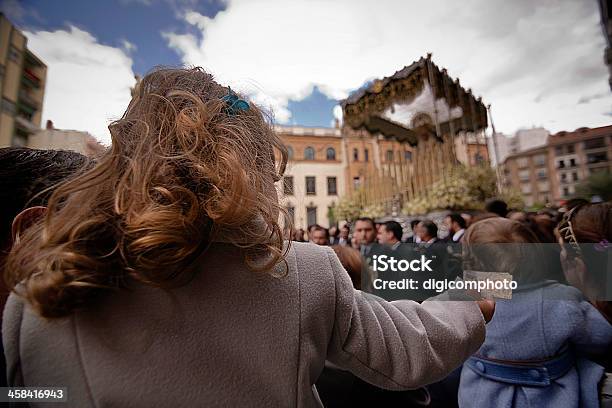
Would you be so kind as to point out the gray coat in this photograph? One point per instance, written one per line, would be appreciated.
(233, 337)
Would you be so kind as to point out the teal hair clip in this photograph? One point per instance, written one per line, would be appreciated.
(234, 103)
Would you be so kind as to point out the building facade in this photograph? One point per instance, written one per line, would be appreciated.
(530, 173)
(576, 155)
(551, 173)
(523, 139)
(22, 87)
(61, 139)
(314, 178)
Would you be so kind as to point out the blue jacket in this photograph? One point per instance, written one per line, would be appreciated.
(538, 323)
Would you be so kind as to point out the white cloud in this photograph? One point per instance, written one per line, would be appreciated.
(88, 84)
(127, 46)
(532, 61)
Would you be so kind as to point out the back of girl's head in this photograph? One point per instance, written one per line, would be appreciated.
(592, 225)
(499, 244)
(185, 169)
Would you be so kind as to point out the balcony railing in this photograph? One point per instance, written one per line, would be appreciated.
(26, 99)
(30, 78)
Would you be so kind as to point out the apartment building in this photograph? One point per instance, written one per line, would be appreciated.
(529, 172)
(22, 87)
(578, 154)
(523, 139)
(314, 178)
(551, 173)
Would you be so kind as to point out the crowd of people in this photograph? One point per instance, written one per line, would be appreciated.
(524, 329)
(158, 275)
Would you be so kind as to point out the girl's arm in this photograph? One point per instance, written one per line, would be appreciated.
(400, 345)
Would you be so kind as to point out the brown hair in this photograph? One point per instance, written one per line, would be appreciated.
(351, 260)
(182, 172)
(592, 223)
(483, 252)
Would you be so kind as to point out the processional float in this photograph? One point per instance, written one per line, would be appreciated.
(425, 125)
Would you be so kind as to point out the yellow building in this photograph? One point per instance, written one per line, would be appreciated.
(314, 178)
(22, 86)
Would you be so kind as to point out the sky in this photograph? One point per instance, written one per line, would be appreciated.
(537, 62)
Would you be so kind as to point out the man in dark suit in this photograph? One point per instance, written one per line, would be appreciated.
(414, 239)
(432, 248)
(365, 233)
(456, 227)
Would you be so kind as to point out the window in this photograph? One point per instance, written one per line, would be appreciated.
(526, 188)
(289, 153)
(593, 158)
(331, 153)
(356, 183)
(366, 155)
(595, 143)
(570, 149)
(561, 164)
(310, 185)
(559, 150)
(8, 107)
(572, 162)
(575, 176)
(563, 177)
(389, 155)
(522, 162)
(541, 174)
(331, 186)
(543, 186)
(288, 185)
(311, 215)
(478, 158)
(524, 175)
(408, 156)
(355, 155)
(309, 153)
(565, 191)
(540, 160)
(14, 54)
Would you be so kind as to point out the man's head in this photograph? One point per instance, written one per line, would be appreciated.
(497, 206)
(454, 222)
(427, 230)
(365, 231)
(390, 233)
(27, 177)
(413, 225)
(345, 232)
(319, 235)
